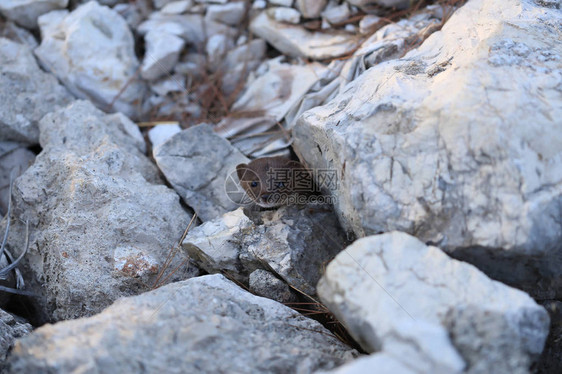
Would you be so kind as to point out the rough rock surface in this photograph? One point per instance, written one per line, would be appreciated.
(431, 312)
(14, 160)
(26, 12)
(459, 143)
(162, 53)
(205, 324)
(380, 363)
(26, 93)
(295, 41)
(10, 330)
(102, 222)
(91, 50)
(197, 163)
(294, 243)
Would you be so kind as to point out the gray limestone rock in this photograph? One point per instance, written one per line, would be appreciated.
(294, 243)
(10, 330)
(454, 144)
(198, 163)
(205, 324)
(91, 50)
(102, 221)
(26, 93)
(26, 12)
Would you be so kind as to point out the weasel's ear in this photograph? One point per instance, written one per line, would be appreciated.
(295, 165)
(241, 169)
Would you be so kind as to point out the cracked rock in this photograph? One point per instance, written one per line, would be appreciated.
(433, 313)
(197, 163)
(103, 222)
(91, 50)
(205, 324)
(451, 147)
(26, 93)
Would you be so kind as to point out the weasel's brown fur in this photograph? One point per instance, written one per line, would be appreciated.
(269, 181)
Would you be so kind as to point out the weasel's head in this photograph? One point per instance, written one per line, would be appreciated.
(269, 181)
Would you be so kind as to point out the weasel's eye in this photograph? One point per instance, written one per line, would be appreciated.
(280, 184)
(254, 184)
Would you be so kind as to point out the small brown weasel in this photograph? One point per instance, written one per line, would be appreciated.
(274, 181)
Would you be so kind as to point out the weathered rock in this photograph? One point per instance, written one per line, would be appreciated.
(216, 49)
(285, 3)
(449, 143)
(415, 303)
(240, 62)
(26, 12)
(295, 41)
(310, 8)
(91, 50)
(294, 243)
(197, 163)
(205, 324)
(161, 133)
(279, 89)
(14, 160)
(10, 30)
(284, 14)
(177, 7)
(95, 201)
(264, 283)
(381, 363)
(26, 93)
(231, 13)
(193, 28)
(337, 14)
(367, 4)
(162, 54)
(10, 330)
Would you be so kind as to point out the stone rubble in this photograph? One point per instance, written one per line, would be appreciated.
(438, 122)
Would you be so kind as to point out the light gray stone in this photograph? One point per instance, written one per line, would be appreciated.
(231, 13)
(337, 14)
(197, 163)
(380, 363)
(14, 160)
(240, 62)
(284, 14)
(205, 324)
(448, 143)
(10, 30)
(91, 50)
(26, 12)
(26, 93)
(10, 330)
(294, 243)
(177, 7)
(366, 4)
(310, 8)
(95, 201)
(431, 312)
(162, 54)
(295, 41)
(285, 3)
(161, 133)
(264, 283)
(193, 28)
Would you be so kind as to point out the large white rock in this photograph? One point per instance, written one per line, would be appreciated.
(26, 93)
(459, 143)
(26, 12)
(91, 50)
(432, 313)
(295, 41)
